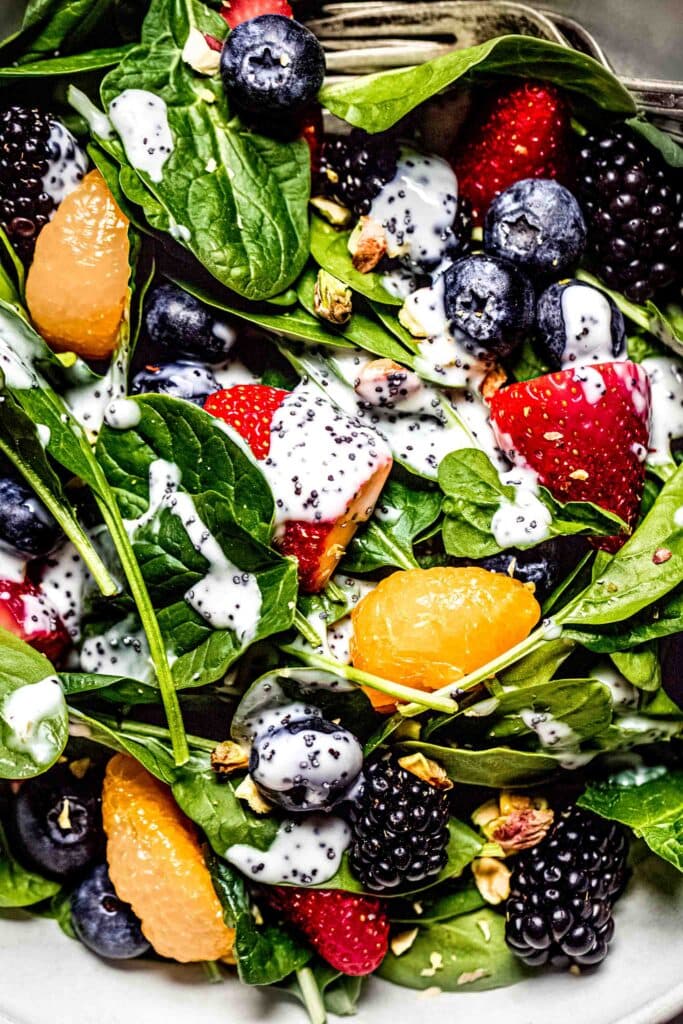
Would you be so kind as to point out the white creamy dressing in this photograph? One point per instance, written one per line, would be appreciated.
(648, 730)
(417, 208)
(623, 694)
(399, 282)
(305, 851)
(525, 521)
(591, 382)
(587, 318)
(122, 414)
(332, 454)
(225, 596)
(119, 651)
(180, 232)
(12, 565)
(44, 434)
(232, 372)
(65, 582)
(27, 712)
(88, 401)
(552, 630)
(140, 118)
(338, 634)
(16, 355)
(665, 374)
(473, 412)
(678, 517)
(551, 732)
(268, 720)
(66, 166)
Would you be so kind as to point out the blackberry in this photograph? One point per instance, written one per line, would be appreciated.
(354, 168)
(40, 162)
(563, 890)
(400, 827)
(634, 210)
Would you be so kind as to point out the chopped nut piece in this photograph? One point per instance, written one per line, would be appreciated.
(247, 791)
(521, 821)
(199, 55)
(367, 244)
(486, 813)
(469, 976)
(510, 801)
(64, 819)
(334, 213)
(492, 879)
(428, 993)
(429, 771)
(554, 435)
(79, 768)
(661, 555)
(229, 757)
(407, 319)
(493, 381)
(402, 941)
(332, 299)
(384, 382)
(485, 930)
(578, 474)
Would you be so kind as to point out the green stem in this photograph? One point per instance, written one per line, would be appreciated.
(439, 701)
(212, 972)
(311, 995)
(303, 626)
(397, 555)
(157, 648)
(133, 729)
(335, 593)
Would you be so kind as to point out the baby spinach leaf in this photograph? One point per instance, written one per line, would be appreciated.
(76, 64)
(404, 512)
(450, 900)
(18, 886)
(640, 666)
(376, 102)
(339, 992)
(152, 752)
(650, 801)
(497, 767)
(538, 667)
(246, 221)
(330, 250)
(115, 689)
(666, 325)
(465, 954)
(51, 25)
(662, 141)
(225, 819)
(582, 705)
(662, 618)
(266, 953)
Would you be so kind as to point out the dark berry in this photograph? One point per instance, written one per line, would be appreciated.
(25, 523)
(55, 823)
(184, 379)
(181, 324)
(537, 224)
(671, 660)
(633, 204)
(354, 168)
(562, 892)
(306, 765)
(400, 826)
(102, 921)
(579, 324)
(272, 64)
(489, 302)
(542, 565)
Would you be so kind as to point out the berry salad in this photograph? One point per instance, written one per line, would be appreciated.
(341, 501)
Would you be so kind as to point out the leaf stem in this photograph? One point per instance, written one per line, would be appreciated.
(212, 972)
(311, 996)
(335, 593)
(303, 626)
(133, 729)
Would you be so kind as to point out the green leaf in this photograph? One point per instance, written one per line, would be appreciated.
(465, 954)
(448, 901)
(527, 364)
(662, 141)
(650, 801)
(376, 102)
(497, 767)
(247, 220)
(582, 705)
(538, 667)
(665, 324)
(19, 887)
(224, 819)
(153, 753)
(404, 512)
(339, 992)
(266, 953)
(78, 63)
(330, 250)
(640, 666)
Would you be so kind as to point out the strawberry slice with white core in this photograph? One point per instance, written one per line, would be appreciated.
(326, 470)
(583, 431)
(27, 612)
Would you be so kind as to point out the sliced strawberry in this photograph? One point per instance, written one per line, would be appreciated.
(523, 133)
(26, 612)
(585, 432)
(350, 932)
(248, 408)
(237, 11)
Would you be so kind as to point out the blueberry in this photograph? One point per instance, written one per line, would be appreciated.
(579, 324)
(55, 823)
(25, 523)
(185, 379)
(307, 764)
(102, 921)
(272, 63)
(543, 566)
(180, 323)
(671, 658)
(488, 302)
(538, 225)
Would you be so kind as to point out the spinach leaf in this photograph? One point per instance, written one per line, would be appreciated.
(60, 911)
(582, 705)
(640, 666)
(404, 512)
(33, 716)
(498, 767)
(527, 363)
(666, 325)
(225, 820)
(247, 220)
(330, 250)
(338, 992)
(650, 801)
(376, 102)
(114, 689)
(18, 886)
(538, 667)
(266, 953)
(474, 493)
(467, 953)
(152, 752)
(51, 25)
(450, 900)
(662, 141)
(76, 64)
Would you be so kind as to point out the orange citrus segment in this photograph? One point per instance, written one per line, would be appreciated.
(428, 627)
(156, 865)
(78, 281)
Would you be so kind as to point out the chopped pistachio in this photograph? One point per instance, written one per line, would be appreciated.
(492, 879)
(228, 757)
(79, 768)
(367, 244)
(334, 213)
(247, 791)
(428, 771)
(469, 976)
(402, 941)
(332, 299)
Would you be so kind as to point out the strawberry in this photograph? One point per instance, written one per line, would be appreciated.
(26, 612)
(350, 932)
(524, 133)
(237, 11)
(324, 460)
(584, 431)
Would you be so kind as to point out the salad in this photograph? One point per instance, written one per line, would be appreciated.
(341, 518)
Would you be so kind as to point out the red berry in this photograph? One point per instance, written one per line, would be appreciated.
(524, 133)
(350, 932)
(237, 11)
(26, 612)
(585, 432)
(249, 409)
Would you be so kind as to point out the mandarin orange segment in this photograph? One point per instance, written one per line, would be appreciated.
(78, 282)
(428, 627)
(156, 865)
